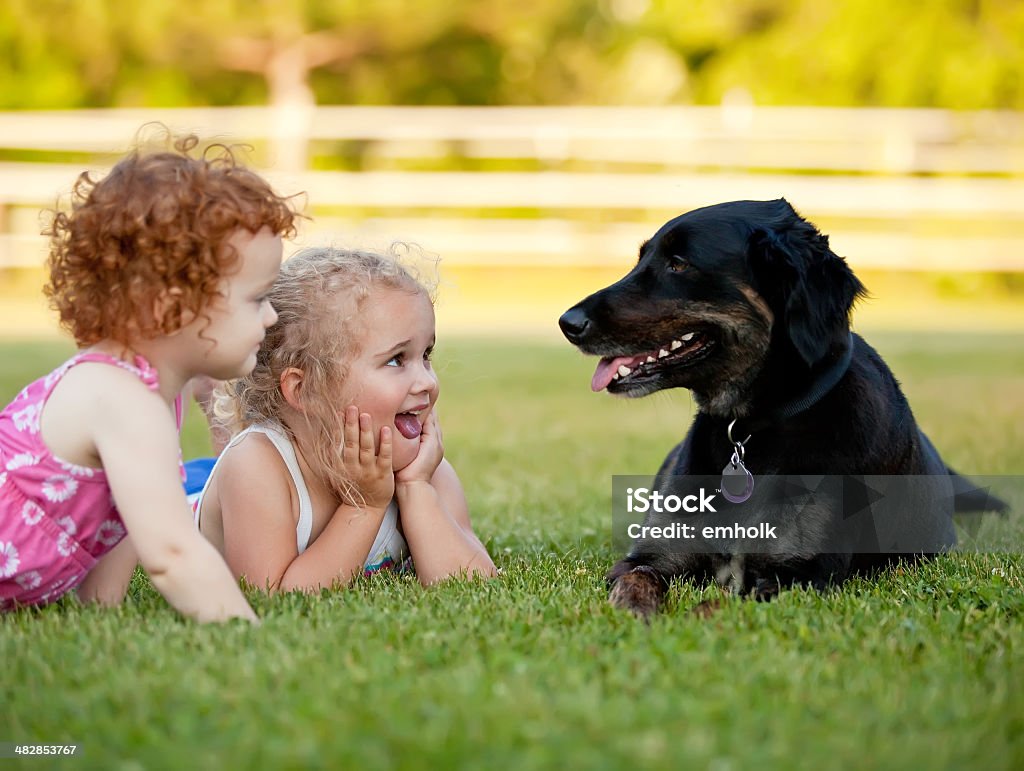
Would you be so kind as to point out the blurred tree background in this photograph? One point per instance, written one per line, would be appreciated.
(958, 55)
(963, 54)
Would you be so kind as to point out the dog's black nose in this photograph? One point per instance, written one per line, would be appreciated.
(574, 324)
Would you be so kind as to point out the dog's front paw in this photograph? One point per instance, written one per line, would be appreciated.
(639, 591)
(766, 590)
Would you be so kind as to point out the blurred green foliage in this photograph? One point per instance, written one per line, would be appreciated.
(101, 53)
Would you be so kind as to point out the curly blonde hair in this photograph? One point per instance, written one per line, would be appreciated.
(155, 228)
(318, 296)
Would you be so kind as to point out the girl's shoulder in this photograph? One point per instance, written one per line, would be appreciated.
(105, 367)
(253, 457)
(95, 402)
(39, 390)
(91, 387)
(76, 387)
(88, 376)
(251, 446)
(251, 475)
(60, 415)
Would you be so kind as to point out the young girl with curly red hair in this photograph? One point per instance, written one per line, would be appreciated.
(160, 272)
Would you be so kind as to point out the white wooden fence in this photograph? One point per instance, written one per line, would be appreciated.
(909, 189)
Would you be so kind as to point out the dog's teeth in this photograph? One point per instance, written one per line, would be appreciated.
(675, 345)
(649, 360)
(662, 353)
(687, 337)
(624, 370)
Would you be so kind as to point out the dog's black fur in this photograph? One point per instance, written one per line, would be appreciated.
(769, 303)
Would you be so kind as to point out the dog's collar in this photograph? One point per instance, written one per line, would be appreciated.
(737, 481)
(823, 383)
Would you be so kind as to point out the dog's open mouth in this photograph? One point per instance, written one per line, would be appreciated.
(630, 370)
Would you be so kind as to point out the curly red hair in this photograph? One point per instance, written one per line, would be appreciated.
(146, 246)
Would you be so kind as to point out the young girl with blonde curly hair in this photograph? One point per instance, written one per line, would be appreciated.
(339, 469)
(160, 272)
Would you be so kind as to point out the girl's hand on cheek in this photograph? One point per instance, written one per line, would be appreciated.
(429, 456)
(370, 472)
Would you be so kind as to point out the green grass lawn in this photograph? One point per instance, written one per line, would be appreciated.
(919, 668)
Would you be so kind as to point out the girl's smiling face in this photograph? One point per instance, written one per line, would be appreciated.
(391, 377)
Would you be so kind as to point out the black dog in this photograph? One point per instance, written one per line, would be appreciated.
(746, 305)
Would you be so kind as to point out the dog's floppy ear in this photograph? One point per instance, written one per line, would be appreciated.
(809, 287)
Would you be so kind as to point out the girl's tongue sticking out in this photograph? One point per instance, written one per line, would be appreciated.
(408, 425)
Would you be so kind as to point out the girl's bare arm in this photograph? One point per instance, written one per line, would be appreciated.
(435, 520)
(259, 523)
(136, 439)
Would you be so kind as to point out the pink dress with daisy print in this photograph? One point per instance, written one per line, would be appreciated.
(56, 519)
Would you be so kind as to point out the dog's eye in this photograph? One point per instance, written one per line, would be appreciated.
(677, 264)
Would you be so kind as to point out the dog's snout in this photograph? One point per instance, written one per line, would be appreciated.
(574, 323)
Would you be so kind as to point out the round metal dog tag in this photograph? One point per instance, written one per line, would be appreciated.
(737, 482)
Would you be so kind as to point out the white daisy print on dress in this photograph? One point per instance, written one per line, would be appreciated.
(8, 559)
(3, 478)
(61, 587)
(31, 512)
(22, 459)
(110, 532)
(65, 545)
(56, 589)
(59, 487)
(29, 580)
(28, 418)
(57, 374)
(78, 471)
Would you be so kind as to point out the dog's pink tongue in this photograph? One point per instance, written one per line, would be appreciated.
(606, 369)
(407, 425)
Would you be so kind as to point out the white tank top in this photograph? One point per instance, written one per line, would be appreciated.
(388, 547)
